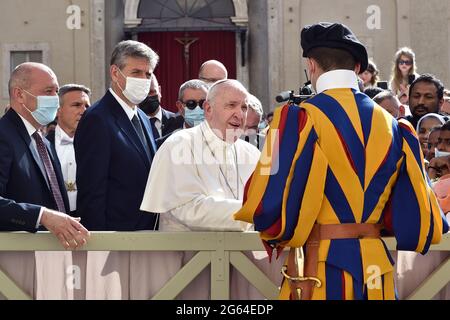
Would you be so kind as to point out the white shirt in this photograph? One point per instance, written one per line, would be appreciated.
(66, 154)
(337, 79)
(194, 190)
(31, 130)
(158, 122)
(130, 111)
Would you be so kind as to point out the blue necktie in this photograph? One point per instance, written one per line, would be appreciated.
(154, 129)
(138, 127)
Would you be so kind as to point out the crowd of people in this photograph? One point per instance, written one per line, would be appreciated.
(128, 164)
(419, 98)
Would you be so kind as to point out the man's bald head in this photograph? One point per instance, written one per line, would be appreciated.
(212, 71)
(25, 74)
(28, 81)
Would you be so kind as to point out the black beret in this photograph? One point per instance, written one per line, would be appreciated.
(333, 35)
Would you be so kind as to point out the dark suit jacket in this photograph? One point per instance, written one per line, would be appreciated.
(51, 138)
(171, 122)
(112, 168)
(23, 186)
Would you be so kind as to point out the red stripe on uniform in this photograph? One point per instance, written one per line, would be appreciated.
(283, 119)
(347, 152)
(274, 229)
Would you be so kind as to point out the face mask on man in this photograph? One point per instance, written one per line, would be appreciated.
(262, 125)
(438, 153)
(136, 89)
(194, 117)
(150, 104)
(46, 109)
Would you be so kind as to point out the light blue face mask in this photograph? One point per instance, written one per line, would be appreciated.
(47, 107)
(194, 117)
(262, 125)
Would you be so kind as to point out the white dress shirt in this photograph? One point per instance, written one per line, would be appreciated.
(66, 154)
(130, 111)
(197, 181)
(158, 121)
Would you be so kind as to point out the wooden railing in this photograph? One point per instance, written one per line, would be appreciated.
(218, 249)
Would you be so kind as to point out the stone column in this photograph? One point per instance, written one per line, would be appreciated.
(259, 51)
(114, 30)
(429, 37)
(97, 43)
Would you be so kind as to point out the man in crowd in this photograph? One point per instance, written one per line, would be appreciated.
(341, 166)
(191, 98)
(33, 192)
(212, 71)
(197, 178)
(114, 146)
(426, 95)
(445, 107)
(74, 99)
(389, 102)
(254, 117)
(371, 92)
(163, 121)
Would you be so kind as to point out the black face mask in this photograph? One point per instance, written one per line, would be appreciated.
(150, 104)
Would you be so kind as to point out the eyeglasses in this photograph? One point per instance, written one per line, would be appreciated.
(192, 104)
(405, 62)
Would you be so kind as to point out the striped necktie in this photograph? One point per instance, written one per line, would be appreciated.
(51, 175)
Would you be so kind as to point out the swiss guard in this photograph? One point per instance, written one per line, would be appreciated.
(336, 174)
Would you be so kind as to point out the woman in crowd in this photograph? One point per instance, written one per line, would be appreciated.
(433, 139)
(370, 76)
(424, 127)
(403, 72)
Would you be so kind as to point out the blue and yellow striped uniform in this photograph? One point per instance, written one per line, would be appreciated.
(343, 159)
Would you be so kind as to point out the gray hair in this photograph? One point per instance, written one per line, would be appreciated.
(194, 84)
(222, 83)
(72, 87)
(133, 49)
(386, 94)
(254, 103)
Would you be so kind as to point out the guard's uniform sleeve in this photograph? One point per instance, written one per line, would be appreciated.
(414, 216)
(283, 196)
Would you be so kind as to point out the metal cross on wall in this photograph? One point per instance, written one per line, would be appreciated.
(186, 42)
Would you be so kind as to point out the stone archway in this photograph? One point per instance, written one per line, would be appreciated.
(131, 13)
(239, 20)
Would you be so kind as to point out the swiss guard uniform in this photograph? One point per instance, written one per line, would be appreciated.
(343, 173)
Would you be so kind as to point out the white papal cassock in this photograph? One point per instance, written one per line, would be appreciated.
(196, 183)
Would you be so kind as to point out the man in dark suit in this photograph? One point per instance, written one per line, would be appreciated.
(114, 146)
(164, 122)
(31, 184)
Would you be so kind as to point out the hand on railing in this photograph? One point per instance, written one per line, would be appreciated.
(69, 230)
